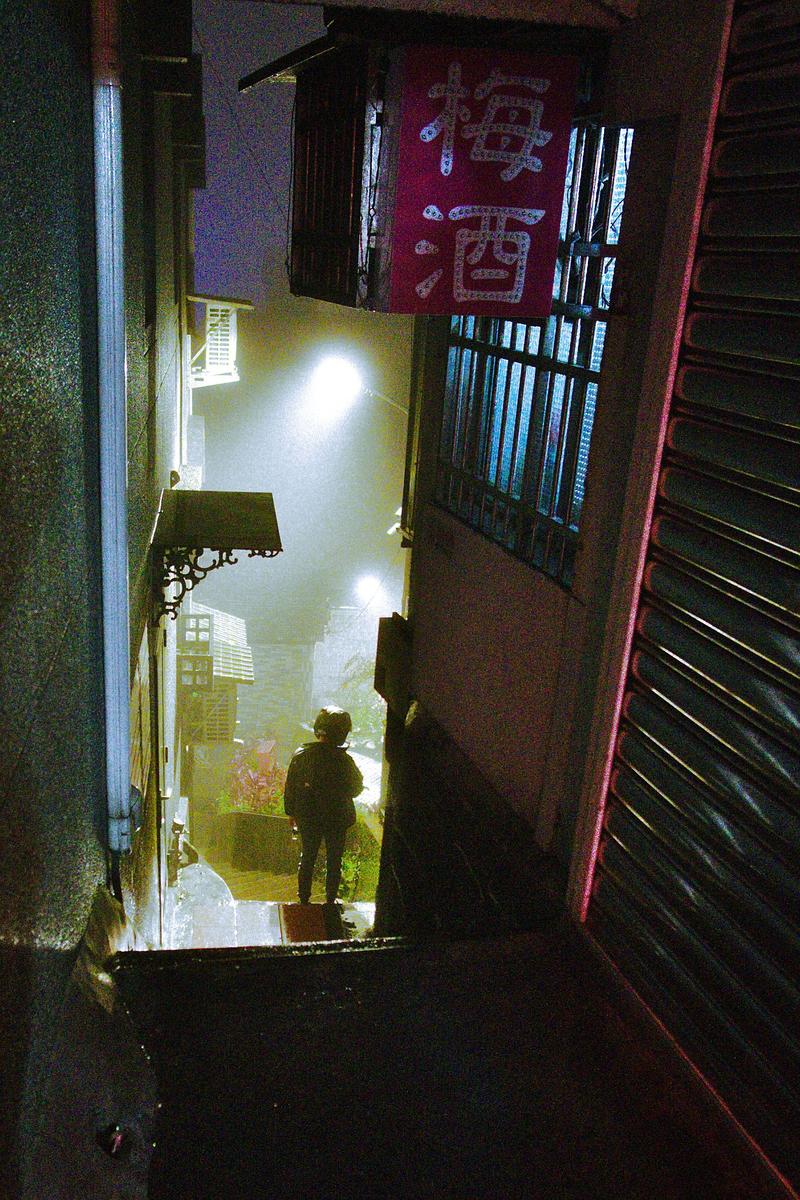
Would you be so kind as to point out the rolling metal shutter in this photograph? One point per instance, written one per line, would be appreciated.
(697, 892)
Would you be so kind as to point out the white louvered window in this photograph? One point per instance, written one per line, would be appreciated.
(220, 339)
(215, 361)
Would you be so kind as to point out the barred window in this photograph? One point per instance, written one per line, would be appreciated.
(520, 396)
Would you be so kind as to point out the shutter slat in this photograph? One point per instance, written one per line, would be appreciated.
(771, 152)
(765, 27)
(749, 748)
(773, 704)
(728, 617)
(695, 1018)
(723, 872)
(765, 91)
(740, 395)
(745, 215)
(769, 276)
(761, 457)
(723, 559)
(774, 520)
(718, 953)
(747, 799)
(762, 337)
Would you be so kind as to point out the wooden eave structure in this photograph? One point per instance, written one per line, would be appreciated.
(579, 26)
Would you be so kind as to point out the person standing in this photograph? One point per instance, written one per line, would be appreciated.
(321, 783)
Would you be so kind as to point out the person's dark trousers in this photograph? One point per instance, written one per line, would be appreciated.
(311, 836)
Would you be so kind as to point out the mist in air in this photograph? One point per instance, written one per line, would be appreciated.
(331, 452)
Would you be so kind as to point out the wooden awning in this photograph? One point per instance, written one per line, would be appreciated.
(194, 524)
(218, 521)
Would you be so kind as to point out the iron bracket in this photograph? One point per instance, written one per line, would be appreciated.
(181, 565)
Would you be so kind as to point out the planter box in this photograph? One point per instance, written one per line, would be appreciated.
(257, 842)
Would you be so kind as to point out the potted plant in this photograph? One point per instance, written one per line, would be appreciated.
(254, 832)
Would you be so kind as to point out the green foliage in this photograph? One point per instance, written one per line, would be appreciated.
(357, 694)
(351, 871)
(255, 780)
(360, 864)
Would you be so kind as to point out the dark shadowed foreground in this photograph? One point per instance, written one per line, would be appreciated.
(491, 1068)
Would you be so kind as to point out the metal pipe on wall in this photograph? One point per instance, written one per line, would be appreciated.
(107, 94)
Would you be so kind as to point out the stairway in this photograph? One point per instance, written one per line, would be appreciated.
(493, 1068)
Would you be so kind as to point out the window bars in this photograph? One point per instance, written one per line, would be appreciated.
(520, 396)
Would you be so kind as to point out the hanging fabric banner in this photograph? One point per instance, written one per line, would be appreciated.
(481, 162)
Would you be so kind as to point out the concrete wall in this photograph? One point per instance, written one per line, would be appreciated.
(52, 794)
(506, 661)
(51, 771)
(488, 635)
(278, 702)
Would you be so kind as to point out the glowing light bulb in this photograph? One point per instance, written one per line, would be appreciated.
(370, 592)
(335, 385)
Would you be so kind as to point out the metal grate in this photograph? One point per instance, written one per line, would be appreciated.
(697, 893)
(520, 396)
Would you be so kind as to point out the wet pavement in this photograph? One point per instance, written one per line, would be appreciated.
(101, 1081)
(435, 1069)
(492, 1069)
(205, 911)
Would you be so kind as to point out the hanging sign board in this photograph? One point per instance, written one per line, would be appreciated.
(480, 162)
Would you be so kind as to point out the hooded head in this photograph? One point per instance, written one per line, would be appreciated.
(333, 725)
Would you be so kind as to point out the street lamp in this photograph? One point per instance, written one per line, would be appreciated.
(335, 386)
(386, 399)
(370, 592)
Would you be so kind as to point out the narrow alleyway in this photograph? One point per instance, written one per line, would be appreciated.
(239, 908)
(391, 1069)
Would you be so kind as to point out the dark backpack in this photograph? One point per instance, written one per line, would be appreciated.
(320, 784)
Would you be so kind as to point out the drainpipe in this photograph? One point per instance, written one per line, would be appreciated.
(106, 76)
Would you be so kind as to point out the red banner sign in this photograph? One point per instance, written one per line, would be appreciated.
(482, 158)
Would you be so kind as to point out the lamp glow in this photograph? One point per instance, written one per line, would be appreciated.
(371, 592)
(335, 385)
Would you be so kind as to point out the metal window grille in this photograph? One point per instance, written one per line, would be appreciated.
(520, 396)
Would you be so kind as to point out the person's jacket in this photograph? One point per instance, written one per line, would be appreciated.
(320, 785)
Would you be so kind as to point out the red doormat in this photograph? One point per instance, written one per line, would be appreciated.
(303, 923)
